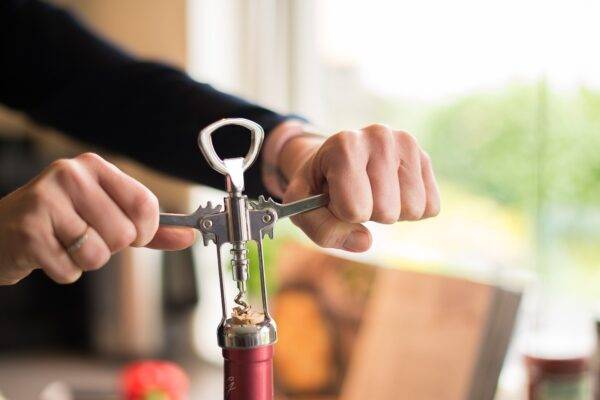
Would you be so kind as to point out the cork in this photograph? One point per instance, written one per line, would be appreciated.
(248, 317)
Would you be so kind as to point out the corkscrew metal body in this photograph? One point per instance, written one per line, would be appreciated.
(236, 223)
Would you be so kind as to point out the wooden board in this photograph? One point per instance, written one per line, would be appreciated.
(420, 338)
(354, 331)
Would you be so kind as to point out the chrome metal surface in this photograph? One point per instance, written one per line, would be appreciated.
(263, 280)
(233, 335)
(258, 227)
(206, 146)
(238, 226)
(190, 220)
(234, 178)
(214, 228)
(239, 222)
(293, 208)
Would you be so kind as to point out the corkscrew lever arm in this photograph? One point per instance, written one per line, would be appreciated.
(293, 208)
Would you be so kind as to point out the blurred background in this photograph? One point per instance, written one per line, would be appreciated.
(505, 97)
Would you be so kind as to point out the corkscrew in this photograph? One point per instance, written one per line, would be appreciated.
(246, 336)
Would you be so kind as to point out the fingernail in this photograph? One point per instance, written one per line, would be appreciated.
(357, 241)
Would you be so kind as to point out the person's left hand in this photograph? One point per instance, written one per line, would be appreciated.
(372, 174)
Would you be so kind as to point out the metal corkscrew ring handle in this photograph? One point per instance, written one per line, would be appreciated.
(205, 143)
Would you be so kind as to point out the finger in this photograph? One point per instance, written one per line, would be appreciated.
(136, 200)
(350, 194)
(94, 206)
(69, 227)
(412, 189)
(52, 257)
(93, 253)
(383, 175)
(432, 203)
(33, 242)
(171, 238)
(324, 228)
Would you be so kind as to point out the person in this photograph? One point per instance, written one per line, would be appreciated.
(78, 212)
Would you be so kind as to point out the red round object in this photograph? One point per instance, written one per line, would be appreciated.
(249, 373)
(155, 379)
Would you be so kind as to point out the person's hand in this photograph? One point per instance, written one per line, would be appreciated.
(73, 216)
(372, 174)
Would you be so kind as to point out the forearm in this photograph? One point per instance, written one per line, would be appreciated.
(64, 76)
(153, 114)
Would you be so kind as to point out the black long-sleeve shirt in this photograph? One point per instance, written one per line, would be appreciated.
(62, 75)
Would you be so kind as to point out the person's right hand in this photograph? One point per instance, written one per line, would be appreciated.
(73, 216)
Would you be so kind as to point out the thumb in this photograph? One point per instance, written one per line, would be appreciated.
(323, 227)
(172, 238)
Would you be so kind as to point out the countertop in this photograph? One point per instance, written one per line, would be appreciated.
(23, 376)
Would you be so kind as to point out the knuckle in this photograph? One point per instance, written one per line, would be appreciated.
(94, 258)
(377, 128)
(95, 163)
(345, 143)
(322, 231)
(63, 165)
(325, 236)
(37, 196)
(68, 174)
(407, 140)
(145, 206)
(349, 135)
(326, 241)
(382, 139)
(89, 157)
(145, 217)
(385, 216)
(413, 212)
(67, 277)
(354, 214)
(124, 237)
(434, 210)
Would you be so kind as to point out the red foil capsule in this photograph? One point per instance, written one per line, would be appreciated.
(249, 373)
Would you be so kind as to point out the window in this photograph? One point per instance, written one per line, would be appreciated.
(505, 96)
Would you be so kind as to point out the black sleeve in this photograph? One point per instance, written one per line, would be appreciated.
(62, 75)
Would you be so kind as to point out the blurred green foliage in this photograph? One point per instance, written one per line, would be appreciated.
(494, 143)
(535, 150)
(531, 148)
(284, 232)
(573, 162)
